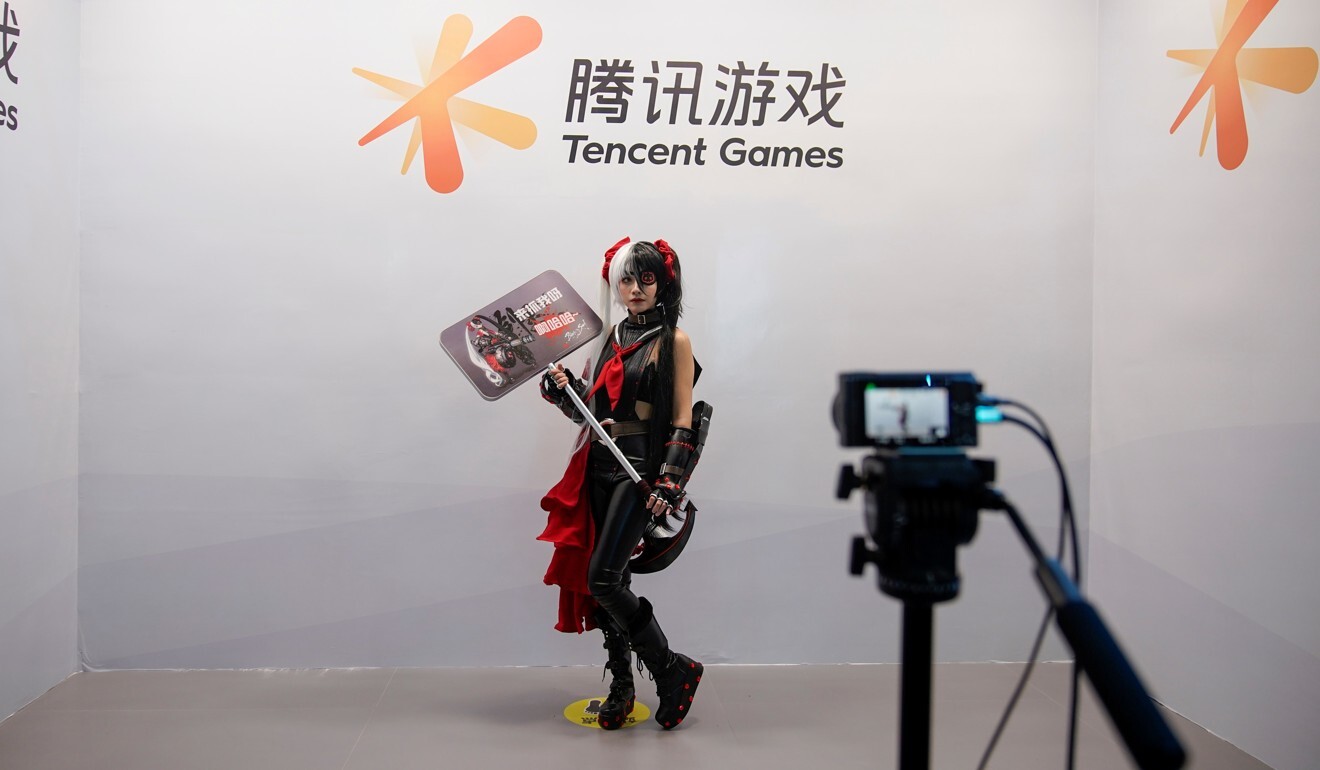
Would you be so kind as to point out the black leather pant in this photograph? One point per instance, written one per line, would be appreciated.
(621, 518)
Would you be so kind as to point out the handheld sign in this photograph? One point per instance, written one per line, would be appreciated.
(510, 341)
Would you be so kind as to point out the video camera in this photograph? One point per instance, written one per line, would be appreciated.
(907, 409)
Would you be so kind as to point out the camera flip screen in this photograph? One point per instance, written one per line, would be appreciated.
(907, 415)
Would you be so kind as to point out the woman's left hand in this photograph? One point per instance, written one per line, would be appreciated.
(662, 500)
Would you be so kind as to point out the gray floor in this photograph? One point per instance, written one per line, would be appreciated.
(745, 716)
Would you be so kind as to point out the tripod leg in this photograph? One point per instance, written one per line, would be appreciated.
(914, 717)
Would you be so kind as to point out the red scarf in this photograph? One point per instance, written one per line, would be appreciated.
(611, 374)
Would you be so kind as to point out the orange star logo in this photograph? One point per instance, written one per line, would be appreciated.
(1288, 69)
(435, 106)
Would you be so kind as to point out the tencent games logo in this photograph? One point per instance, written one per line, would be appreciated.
(435, 105)
(1288, 69)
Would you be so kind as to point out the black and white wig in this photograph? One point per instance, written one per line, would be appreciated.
(634, 259)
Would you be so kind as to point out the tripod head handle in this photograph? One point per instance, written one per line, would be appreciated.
(1131, 709)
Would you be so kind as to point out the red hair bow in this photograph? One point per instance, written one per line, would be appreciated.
(668, 253)
(609, 257)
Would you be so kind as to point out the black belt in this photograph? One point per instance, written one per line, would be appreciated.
(630, 428)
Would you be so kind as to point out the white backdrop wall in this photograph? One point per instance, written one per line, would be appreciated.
(281, 468)
(38, 350)
(1207, 408)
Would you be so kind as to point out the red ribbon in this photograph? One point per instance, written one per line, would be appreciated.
(663, 247)
(609, 257)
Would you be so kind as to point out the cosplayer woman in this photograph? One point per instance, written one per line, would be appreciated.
(641, 388)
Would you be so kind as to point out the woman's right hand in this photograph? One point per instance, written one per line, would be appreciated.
(556, 372)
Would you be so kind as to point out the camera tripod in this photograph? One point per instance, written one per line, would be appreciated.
(920, 505)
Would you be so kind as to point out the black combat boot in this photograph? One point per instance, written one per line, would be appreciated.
(616, 708)
(676, 675)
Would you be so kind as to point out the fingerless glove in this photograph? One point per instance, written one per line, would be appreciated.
(555, 395)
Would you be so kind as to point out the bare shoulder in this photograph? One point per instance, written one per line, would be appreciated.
(681, 340)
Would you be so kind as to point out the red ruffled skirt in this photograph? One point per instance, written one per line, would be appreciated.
(571, 529)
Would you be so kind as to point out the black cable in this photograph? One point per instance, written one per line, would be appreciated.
(1067, 518)
(1075, 689)
(1068, 535)
(1017, 691)
(1018, 405)
(1068, 522)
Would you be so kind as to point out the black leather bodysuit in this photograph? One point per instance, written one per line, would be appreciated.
(616, 504)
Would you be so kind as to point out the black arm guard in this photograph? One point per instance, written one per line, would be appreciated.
(676, 468)
(666, 537)
(552, 393)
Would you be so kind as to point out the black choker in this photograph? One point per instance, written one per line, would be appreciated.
(650, 318)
